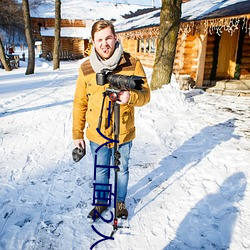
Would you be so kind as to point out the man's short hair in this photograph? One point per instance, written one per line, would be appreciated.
(101, 24)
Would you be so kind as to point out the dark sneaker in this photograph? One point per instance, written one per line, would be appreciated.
(122, 211)
(96, 211)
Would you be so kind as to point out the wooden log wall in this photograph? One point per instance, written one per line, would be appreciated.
(178, 61)
(209, 58)
(73, 45)
(47, 45)
(79, 46)
(190, 56)
(66, 44)
(185, 59)
(50, 22)
(131, 46)
(146, 59)
(186, 55)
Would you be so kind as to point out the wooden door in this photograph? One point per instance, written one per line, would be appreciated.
(227, 55)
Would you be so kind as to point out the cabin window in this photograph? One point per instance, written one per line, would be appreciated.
(152, 45)
(146, 45)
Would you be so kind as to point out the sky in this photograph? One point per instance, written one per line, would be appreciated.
(189, 169)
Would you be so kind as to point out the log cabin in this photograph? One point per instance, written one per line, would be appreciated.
(213, 41)
(74, 37)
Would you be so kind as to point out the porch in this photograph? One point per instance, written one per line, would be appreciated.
(231, 87)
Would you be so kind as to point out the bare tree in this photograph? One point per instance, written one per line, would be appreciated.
(28, 33)
(3, 57)
(168, 34)
(56, 59)
(11, 16)
(11, 24)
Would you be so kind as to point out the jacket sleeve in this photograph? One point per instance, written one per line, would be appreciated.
(80, 106)
(141, 97)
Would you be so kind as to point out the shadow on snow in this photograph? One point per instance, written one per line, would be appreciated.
(190, 153)
(23, 110)
(209, 225)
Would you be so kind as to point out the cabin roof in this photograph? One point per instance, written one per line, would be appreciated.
(193, 10)
(208, 9)
(140, 21)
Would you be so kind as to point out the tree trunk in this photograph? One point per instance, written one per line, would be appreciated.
(56, 59)
(168, 34)
(3, 57)
(28, 33)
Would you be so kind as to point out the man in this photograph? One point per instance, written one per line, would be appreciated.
(107, 54)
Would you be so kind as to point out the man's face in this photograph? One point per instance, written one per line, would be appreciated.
(104, 42)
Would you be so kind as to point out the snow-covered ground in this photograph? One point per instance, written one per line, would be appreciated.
(189, 169)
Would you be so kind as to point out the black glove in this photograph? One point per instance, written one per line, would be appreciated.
(78, 153)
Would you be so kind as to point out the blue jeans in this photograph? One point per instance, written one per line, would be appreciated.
(105, 157)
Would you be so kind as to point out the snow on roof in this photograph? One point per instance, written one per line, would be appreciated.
(197, 9)
(85, 10)
(145, 20)
(192, 10)
(79, 32)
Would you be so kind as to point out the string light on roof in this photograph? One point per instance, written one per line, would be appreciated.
(218, 25)
(246, 25)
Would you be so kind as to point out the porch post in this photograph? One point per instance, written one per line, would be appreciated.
(201, 60)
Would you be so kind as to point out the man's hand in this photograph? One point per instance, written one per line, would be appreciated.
(123, 97)
(79, 143)
(79, 151)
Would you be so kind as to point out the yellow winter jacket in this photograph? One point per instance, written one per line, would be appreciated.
(88, 101)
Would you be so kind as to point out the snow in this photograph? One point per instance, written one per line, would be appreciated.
(86, 10)
(197, 9)
(155, 3)
(189, 169)
(81, 32)
(145, 20)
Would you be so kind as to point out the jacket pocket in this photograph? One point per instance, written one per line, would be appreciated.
(127, 121)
